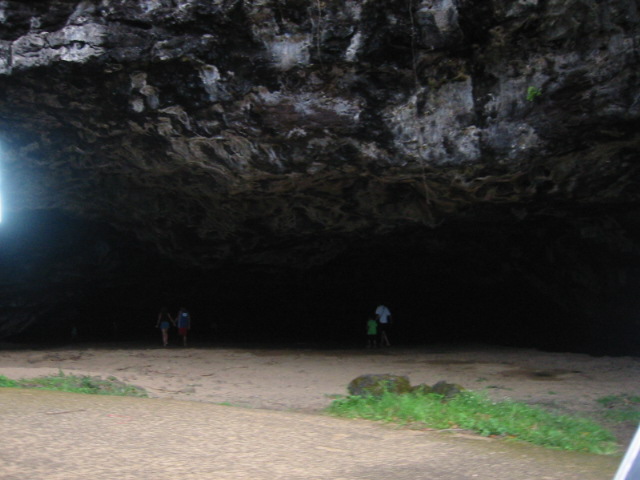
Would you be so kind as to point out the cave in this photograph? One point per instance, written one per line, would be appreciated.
(282, 167)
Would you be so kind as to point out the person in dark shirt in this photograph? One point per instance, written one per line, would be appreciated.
(183, 321)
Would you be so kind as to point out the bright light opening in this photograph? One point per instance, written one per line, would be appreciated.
(0, 190)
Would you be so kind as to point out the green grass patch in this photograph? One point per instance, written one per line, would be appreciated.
(476, 412)
(621, 408)
(76, 384)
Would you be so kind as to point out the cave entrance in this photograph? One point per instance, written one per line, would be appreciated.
(537, 284)
(1, 185)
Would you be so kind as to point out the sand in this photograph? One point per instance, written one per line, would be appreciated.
(306, 379)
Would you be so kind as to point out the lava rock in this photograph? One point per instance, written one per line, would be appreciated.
(448, 390)
(422, 389)
(377, 384)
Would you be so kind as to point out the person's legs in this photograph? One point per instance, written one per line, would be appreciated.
(165, 336)
(182, 331)
(384, 339)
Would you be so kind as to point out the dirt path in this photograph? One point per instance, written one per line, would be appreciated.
(304, 380)
(57, 436)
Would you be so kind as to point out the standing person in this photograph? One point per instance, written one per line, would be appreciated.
(383, 315)
(184, 324)
(372, 333)
(164, 322)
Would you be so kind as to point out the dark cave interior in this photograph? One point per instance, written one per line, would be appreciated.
(305, 171)
(469, 283)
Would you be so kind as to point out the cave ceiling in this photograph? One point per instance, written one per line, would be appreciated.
(284, 132)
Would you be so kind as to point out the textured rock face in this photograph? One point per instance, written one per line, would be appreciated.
(288, 132)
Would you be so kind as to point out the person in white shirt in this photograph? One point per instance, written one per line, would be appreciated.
(383, 316)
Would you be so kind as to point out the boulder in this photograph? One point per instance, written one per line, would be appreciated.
(422, 389)
(448, 390)
(376, 384)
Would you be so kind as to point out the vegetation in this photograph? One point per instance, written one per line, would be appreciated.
(621, 408)
(533, 93)
(76, 384)
(476, 412)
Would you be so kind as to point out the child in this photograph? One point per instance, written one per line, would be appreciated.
(372, 333)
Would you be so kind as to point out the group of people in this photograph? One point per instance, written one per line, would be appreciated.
(182, 321)
(378, 328)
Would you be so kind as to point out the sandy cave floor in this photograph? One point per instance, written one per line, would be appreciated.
(306, 379)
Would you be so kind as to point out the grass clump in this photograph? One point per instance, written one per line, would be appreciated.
(533, 93)
(476, 412)
(76, 384)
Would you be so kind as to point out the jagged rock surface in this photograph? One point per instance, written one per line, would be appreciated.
(289, 132)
